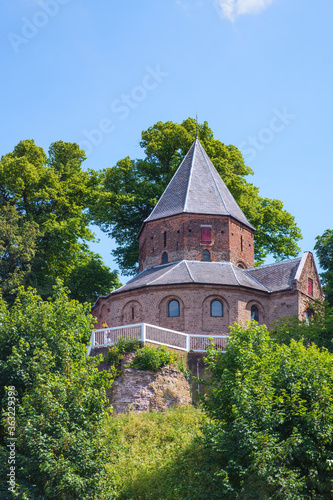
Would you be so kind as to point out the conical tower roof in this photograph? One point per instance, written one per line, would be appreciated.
(197, 188)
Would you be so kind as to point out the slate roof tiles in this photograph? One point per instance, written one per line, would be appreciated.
(197, 188)
(270, 278)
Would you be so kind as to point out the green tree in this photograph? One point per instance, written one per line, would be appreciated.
(324, 251)
(130, 190)
(317, 329)
(52, 193)
(90, 278)
(17, 249)
(271, 407)
(60, 398)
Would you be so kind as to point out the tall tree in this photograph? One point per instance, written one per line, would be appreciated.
(130, 190)
(17, 249)
(324, 251)
(51, 194)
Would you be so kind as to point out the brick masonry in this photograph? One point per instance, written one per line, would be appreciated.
(180, 237)
(150, 304)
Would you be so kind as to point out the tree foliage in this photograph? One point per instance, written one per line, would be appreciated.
(272, 419)
(17, 249)
(60, 398)
(130, 190)
(324, 251)
(46, 199)
(317, 329)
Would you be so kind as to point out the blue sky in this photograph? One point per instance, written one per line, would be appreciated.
(98, 73)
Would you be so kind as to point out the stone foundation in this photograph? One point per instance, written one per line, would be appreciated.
(143, 390)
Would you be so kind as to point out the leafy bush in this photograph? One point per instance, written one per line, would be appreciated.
(318, 329)
(60, 399)
(151, 358)
(120, 348)
(272, 409)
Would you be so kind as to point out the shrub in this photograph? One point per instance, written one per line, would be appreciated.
(318, 329)
(272, 410)
(60, 399)
(120, 348)
(151, 358)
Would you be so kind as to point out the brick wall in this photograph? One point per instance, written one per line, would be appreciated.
(151, 305)
(309, 272)
(180, 237)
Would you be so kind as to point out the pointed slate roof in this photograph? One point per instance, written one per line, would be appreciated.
(197, 188)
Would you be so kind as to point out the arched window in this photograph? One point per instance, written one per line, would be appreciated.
(173, 309)
(216, 309)
(206, 255)
(255, 313)
(164, 258)
(308, 314)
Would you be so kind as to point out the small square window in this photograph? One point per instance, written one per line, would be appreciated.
(206, 235)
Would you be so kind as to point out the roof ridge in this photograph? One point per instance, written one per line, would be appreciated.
(169, 183)
(232, 267)
(190, 176)
(189, 272)
(171, 268)
(211, 173)
(301, 266)
(273, 264)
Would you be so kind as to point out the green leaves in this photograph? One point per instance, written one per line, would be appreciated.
(44, 222)
(324, 251)
(61, 397)
(151, 358)
(272, 410)
(318, 328)
(17, 249)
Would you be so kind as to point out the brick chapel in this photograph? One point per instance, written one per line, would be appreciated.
(196, 264)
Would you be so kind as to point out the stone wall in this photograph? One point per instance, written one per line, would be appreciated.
(144, 390)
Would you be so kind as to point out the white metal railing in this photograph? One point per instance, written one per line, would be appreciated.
(144, 332)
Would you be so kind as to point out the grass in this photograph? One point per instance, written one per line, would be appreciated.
(155, 455)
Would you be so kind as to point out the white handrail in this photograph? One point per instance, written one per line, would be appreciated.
(170, 340)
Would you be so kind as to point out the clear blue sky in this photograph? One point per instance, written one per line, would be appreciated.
(100, 72)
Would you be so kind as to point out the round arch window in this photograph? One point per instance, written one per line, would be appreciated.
(254, 313)
(206, 255)
(216, 309)
(173, 309)
(164, 258)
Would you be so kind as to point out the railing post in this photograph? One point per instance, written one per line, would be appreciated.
(91, 343)
(143, 333)
(188, 343)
